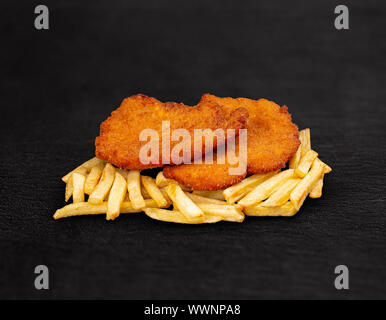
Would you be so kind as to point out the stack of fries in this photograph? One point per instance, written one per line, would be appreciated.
(113, 191)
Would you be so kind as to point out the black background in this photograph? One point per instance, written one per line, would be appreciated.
(57, 86)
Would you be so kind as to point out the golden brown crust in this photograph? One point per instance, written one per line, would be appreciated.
(204, 176)
(272, 137)
(118, 142)
(272, 141)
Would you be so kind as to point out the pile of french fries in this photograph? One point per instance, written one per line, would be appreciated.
(113, 191)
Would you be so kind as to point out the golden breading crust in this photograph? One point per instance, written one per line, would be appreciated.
(272, 137)
(272, 141)
(204, 176)
(118, 142)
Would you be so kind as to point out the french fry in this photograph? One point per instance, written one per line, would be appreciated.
(316, 191)
(265, 189)
(282, 194)
(152, 189)
(299, 194)
(305, 138)
(145, 194)
(294, 161)
(199, 199)
(327, 168)
(237, 191)
(305, 163)
(184, 204)
(70, 184)
(134, 188)
(88, 165)
(286, 210)
(69, 189)
(162, 182)
(227, 212)
(217, 194)
(103, 187)
(78, 183)
(93, 178)
(116, 196)
(86, 208)
(176, 216)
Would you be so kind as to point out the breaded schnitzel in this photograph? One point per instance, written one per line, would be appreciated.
(205, 176)
(272, 141)
(272, 136)
(119, 143)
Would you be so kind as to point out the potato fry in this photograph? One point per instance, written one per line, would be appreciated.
(134, 188)
(86, 208)
(305, 139)
(70, 184)
(199, 199)
(93, 178)
(78, 183)
(69, 189)
(103, 187)
(88, 165)
(265, 189)
(316, 191)
(327, 168)
(116, 196)
(152, 189)
(294, 161)
(184, 204)
(299, 194)
(281, 195)
(217, 194)
(227, 212)
(162, 182)
(286, 210)
(145, 194)
(237, 191)
(176, 216)
(305, 163)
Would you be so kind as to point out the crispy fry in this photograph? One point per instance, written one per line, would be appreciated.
(88, 165)
(103, 187)
(327, 168)
(227, 212)
(316, 191)
(176, 216)
(152, 189)
(134, 188)
(200, 199)
(237, 191)
(161, 182)
(86, 208)
(305, 163)
(305, 140)
(265, 189)
(217, 194)
(93, 178)
(78, 183)
(184, 204)
(116, 196)
(299, 194)
(281, 195)
(286, 210)
(70, 184)
(294, 161)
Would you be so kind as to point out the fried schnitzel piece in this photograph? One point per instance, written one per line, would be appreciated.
(205, 176)
(272, 141)
(272, 136)
(119, 143)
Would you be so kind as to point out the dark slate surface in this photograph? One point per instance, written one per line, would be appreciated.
(58, 85)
